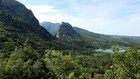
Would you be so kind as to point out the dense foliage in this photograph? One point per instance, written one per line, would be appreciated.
(27, 63)
(24, 62)
(125, 65)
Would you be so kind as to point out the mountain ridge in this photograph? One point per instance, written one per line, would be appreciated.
(18, 24)
(16, 28)
(95, 40)
(17, 15)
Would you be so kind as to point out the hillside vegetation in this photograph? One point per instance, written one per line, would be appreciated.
(29, 51)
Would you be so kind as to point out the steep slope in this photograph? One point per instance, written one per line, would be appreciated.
(66, 32)
(18, 24)
(16, 15)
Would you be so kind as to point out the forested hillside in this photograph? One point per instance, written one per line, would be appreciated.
(89, 39)
(18, 24)
(29, 51)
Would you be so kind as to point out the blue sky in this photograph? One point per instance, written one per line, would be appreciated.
(115, 17)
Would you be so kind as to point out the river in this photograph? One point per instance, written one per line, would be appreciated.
(108, 50)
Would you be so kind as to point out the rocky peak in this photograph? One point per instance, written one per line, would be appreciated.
(66, 28)
(66, 32)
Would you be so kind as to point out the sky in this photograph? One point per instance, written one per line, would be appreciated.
(112, 17)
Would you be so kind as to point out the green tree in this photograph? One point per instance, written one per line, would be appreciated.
(63, 66)
(24, 63)
(126, 65)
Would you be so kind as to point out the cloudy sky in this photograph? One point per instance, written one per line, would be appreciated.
(115, 17)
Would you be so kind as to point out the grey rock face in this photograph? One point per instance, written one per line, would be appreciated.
(66, 32)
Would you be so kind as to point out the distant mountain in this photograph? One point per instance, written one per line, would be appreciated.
(126, 37)
(19, 25)
(101, 40)
(51, 27)
(66, 32)
(88, 39)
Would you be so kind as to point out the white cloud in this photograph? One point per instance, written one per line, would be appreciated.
(41, 9)
(44, 12)
(49, 13)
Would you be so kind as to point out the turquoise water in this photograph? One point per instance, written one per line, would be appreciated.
(108, 50)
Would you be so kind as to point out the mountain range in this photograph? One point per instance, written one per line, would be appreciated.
(86, 38)
(30, 50)
(18, 25)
